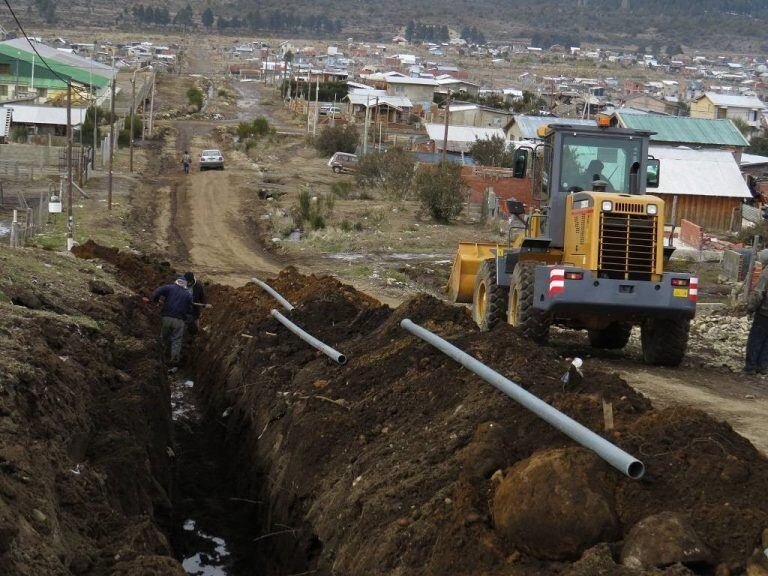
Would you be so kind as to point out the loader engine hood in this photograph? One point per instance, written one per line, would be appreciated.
(617, 236)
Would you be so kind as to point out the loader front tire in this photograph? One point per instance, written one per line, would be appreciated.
(665, 340)
(489, 300)
(533, 323)
(613, 337)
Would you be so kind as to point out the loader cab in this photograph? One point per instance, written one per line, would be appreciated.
(574, 159)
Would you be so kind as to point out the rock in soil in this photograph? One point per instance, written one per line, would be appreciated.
(100, 287)
(661, 540)
(556, 504)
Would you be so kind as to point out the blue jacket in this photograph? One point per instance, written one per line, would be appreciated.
(178, 301)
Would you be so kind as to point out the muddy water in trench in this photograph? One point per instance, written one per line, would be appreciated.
(209, 529)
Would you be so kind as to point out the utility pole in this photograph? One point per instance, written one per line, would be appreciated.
(70, 215)
(378, 115)
(152, 106)
(133, 111)
(317, 105)
(447, 121)
(111, 141)
(365, 124)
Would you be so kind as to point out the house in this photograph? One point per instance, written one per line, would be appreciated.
(23, 75)
(417, 90)
(469, 114)
(684, 131)
(44, 119)
(720, 106)
(523, 127)
(385, 108)
(702, 186)
(456, 85)
(460, 138)
(651, 104)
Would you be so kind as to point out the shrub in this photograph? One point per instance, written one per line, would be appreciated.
(223, 92)
(256, 129)
(492, 152)
(392, 171)
(342, 189)
(313, 210)
(19, 134)
(124, 137)
(441, 190)
(195, 97)
(339, 138)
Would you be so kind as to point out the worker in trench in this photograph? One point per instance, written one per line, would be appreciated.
(757, 342)
(199, 302)
(177, 307)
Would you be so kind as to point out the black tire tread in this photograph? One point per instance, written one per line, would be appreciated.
(665, 341)
(497, 297)
(534, 323)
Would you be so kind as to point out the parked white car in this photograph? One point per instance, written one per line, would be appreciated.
(211, 160)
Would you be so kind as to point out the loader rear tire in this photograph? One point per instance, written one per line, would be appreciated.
(533, 323)
(665, 341)
(613, 337)
(489, 300)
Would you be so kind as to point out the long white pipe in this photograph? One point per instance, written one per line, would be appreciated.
(309, 339)
(271, 291)
(615, 456)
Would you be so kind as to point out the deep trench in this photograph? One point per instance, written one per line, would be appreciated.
(221, 523)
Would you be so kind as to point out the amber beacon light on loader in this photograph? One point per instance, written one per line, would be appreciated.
(591, 254)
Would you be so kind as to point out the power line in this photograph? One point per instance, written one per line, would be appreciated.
(67, 81)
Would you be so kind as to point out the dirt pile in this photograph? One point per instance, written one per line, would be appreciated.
(389, 465)
(84, 423)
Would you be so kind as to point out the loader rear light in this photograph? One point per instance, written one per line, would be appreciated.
(574, 275)
(680, 282)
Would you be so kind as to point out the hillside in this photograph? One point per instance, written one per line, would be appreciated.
(711, 24)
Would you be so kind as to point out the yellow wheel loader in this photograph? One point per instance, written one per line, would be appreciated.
(591, 255)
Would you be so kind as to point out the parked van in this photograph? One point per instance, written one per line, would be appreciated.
(343, 162)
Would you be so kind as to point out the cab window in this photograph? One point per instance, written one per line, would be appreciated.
(587, 159)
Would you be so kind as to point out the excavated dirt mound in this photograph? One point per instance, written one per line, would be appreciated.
(84, 423)
(388, 465)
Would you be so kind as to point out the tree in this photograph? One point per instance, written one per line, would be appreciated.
(288, 57)
(744, 128)
(208, 17)
(340, 138)
(392, 171)
(195, 97)
(492, 152)
(759, 144)
(674, 50)
(441, 190)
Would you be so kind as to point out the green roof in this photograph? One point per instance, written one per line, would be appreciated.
(684, 130)
(75, 73)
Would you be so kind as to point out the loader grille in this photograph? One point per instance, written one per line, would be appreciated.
(627, 246)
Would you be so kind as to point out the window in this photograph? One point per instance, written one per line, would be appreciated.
(589, 158)
(5, 69)
(753, 116)
(42, 92)
(3, 90)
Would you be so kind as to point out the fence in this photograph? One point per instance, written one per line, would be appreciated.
(28, 219)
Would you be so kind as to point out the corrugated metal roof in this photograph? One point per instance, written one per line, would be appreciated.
(752, 160)
(51, 115)
(685, 130)
(369, 99)
(460, 138)
(734, 101)
(529, 124)
(689, 172)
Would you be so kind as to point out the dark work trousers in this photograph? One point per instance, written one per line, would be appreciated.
(172, 333)
(757, 344)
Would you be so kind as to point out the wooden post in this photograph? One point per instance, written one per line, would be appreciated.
(133, 111)
(447, 121)
(608, 415)
(70, 213)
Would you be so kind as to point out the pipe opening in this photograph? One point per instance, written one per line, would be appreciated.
(341, 359)
(636, 470)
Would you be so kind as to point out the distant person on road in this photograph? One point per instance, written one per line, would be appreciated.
(198, 301)
(186, 161)
(177, 306)
(757, 342)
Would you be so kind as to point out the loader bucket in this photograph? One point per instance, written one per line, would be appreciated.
(461, 284)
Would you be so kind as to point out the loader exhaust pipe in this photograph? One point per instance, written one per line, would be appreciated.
(272, 292)
(309, 339)
(615, 456)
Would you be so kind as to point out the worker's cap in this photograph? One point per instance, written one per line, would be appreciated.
(189, 277)
(181, 282)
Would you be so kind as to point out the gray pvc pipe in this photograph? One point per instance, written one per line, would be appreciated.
(272, 292)
(615, 456)
(309, 339)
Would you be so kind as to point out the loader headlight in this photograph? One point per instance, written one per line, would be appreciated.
(606, 206)
(652, 209)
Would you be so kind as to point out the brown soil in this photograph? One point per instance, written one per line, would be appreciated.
(386, 465)
(84, 424)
